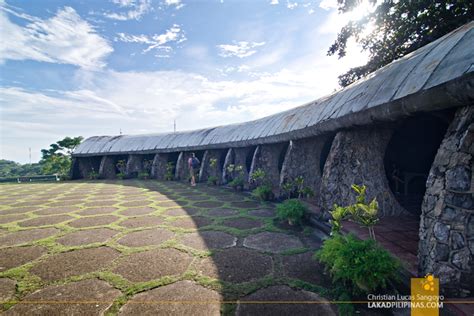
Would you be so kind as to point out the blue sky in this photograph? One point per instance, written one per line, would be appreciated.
(70, 68)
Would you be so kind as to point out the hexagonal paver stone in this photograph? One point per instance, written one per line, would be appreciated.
(85, 237)
(94, 221)
(136, 203)
(77, 262)
(243, 223)
(209, 204)
(18, 210)
(56, 210)
(228, 197)
(97, 210)
(143, 221)
(236, 265)
(26, 236)
(208, 240)
(93, 297)
(262, 213)
(14, 257)
(65, 203)
(172, 203)
(137, 211)
(101, 203)
(302, 266)
(147, 237)
(181, 211)
(245, 204)
(45, 220)
(222, 212)
(194, 222)
(12, 218)
(279, 293)
(7, 289)
(190, 298)
(272, 242)
(153, 264)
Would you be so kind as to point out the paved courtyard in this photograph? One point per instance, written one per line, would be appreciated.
(142, 247)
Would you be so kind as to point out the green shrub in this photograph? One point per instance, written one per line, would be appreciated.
(263, 192)
(291, 210)
(212, 180)
(361, 265)
(143, 175)
(237, 183)
(120, 175)
(169, 175)
(93, 175)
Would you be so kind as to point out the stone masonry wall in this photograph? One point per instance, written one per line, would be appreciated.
(302, 159)
(134, 166)
(206, 170)
(107, 168)
(266, 157)
(158, 167)
(357, 157)
(446, 245)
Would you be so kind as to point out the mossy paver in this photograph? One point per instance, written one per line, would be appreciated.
(245, 204)
(222, 212)
(208, 204)
(302, 266)
(142, 239)
(262, 213)
(194, 222)
(7, 289)
(243, 223)
(93, 221)
(97, 210)
(188, 211)
(45, 220)
(208, 240)
(136, 211)
(12, 218)
(57, 210)
(87, 297)
(153, 264)
(14, 257)
(280, 293)
(26, 236)
(88, 236)
(142, 221)
(272, 242)
(72, 263)
(149, 237)
(235, 265)
(180, 298)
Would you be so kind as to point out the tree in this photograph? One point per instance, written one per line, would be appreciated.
(399, 27)
(57, 158)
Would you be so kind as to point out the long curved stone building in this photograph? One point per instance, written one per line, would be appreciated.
(406, 131)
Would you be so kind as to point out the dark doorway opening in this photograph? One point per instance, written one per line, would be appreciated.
(249, 158)
(173, 159)
(281, 157)
(325, 152)
(116, 159)
(410, 154)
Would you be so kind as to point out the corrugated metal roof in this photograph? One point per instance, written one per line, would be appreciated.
(386, 94)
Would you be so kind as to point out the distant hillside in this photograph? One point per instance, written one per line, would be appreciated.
(10, 168)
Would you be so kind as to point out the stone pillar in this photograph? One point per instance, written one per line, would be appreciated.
(107, 168)
(134, 166)
(446, 245)
(357, 157)
(206, 170)
(74, 171)
(182, 169)
(158, 167)
(240, 159)
(267, 157)
(302, 159)
(229, 160)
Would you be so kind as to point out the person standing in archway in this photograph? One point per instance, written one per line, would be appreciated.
(193, 165)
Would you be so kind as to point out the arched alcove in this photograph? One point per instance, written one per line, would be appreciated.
(249, 157)
(410, 154)
(325, 152)
(281, 157)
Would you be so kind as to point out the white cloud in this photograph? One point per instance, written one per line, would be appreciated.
(239, 49)
(291, 5)
(64, 38)
(328, 4)
(274, 2)
(177, 3)
(135, 10)
(156, 42)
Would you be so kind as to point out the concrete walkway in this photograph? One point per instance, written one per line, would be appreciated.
(147, 247)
